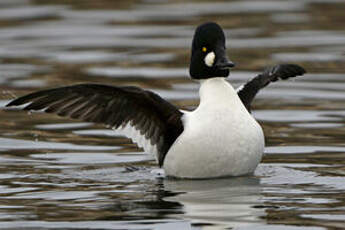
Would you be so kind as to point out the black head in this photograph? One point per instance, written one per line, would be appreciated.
(208, 53)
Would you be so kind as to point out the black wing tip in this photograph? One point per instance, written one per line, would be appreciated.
(31, 96)
(11, 103)
(15, 102)
(297, 69)
(22, 100)
(283, 71)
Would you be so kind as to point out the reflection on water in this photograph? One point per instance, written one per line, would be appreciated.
(61, 174)
(219, 201)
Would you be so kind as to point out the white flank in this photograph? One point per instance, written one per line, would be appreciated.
(220, 137)
(209, 59)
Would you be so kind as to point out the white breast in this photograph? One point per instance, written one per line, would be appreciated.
(220, 137)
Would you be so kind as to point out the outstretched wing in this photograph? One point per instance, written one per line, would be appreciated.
(248, 91)
(144, 116)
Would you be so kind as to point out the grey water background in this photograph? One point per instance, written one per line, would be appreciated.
(57, 173)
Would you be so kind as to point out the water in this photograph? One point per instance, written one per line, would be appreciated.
(57, 173)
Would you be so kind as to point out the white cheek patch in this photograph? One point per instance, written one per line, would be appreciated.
(209, 59)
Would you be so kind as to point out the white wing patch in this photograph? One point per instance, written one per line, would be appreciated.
(131, 132)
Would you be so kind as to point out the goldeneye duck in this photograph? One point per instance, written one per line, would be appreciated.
(219, 138)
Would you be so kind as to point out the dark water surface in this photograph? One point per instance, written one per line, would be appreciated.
(63, 174)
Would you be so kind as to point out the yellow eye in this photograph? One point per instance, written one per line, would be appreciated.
(204, 49)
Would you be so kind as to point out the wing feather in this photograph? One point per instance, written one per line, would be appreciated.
(248, 91)
(146, 116)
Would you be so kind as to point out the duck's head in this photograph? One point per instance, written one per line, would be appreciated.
(208, 53)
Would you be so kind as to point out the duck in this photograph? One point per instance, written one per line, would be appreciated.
(220, 138)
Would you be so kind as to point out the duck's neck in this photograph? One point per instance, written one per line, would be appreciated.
(216, 91)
